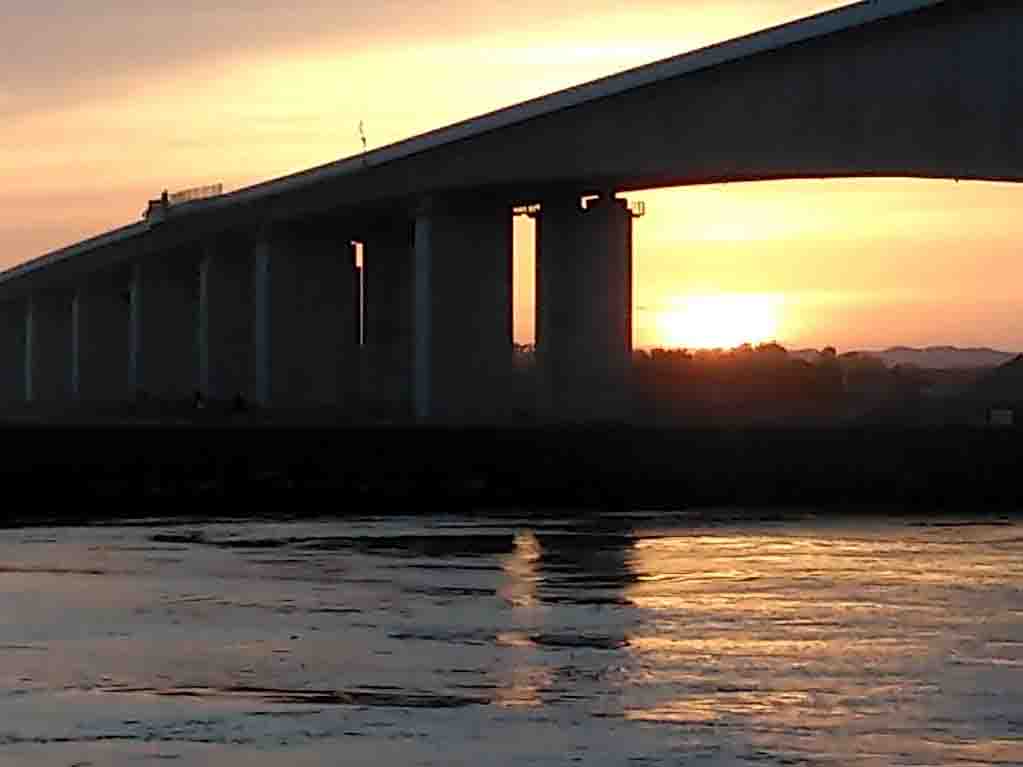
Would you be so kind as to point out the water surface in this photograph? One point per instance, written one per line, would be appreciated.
(616, 639)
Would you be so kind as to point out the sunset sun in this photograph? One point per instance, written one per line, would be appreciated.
(720, 321)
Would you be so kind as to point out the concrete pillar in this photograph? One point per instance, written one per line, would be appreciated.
(584, 308)
(100, 316)
(306, 334)
(387, 297)
(557, 300)
(462, 312)
(48, 347)
(226, 319)
(164, 326)
(12, 353)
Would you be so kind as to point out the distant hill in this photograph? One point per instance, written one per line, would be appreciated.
(1004, 384)
(944, 357)
(932, 357)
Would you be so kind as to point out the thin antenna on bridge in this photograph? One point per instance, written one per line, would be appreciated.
(362, 137)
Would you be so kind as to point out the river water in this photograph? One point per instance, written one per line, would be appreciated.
(609, 640)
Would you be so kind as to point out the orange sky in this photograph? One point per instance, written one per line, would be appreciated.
(133, 98)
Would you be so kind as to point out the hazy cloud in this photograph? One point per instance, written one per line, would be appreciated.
(56, 52)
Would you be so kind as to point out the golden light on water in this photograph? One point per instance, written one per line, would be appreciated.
(723, 320)
(521, 570)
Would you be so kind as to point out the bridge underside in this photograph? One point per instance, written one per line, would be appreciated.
(937, 93)
(261, 299)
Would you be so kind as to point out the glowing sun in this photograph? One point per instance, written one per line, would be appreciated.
(720, 321)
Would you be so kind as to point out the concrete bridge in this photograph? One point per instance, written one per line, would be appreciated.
(255, 292)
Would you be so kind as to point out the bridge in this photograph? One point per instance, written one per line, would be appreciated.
(255, 292)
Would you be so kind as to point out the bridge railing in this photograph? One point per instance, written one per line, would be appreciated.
(195, 193)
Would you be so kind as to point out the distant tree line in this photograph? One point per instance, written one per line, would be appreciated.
(766, 384)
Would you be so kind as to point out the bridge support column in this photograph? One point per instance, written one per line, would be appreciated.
(387, 297)
(306, 296)
(163, 326)
(226, 326)
(12, 349)
(462, 305)
(100, 316)
(584, 308)
(48, 348)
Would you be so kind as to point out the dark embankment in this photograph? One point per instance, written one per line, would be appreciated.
(359, 470)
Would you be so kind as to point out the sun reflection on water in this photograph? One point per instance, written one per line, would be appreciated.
(520, 567)
(779, 633)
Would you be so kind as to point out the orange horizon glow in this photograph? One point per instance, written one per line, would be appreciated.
(720, 321)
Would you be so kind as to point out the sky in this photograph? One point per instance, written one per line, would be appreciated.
(104, 103)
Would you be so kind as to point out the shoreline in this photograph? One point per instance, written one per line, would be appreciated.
(392, 468)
